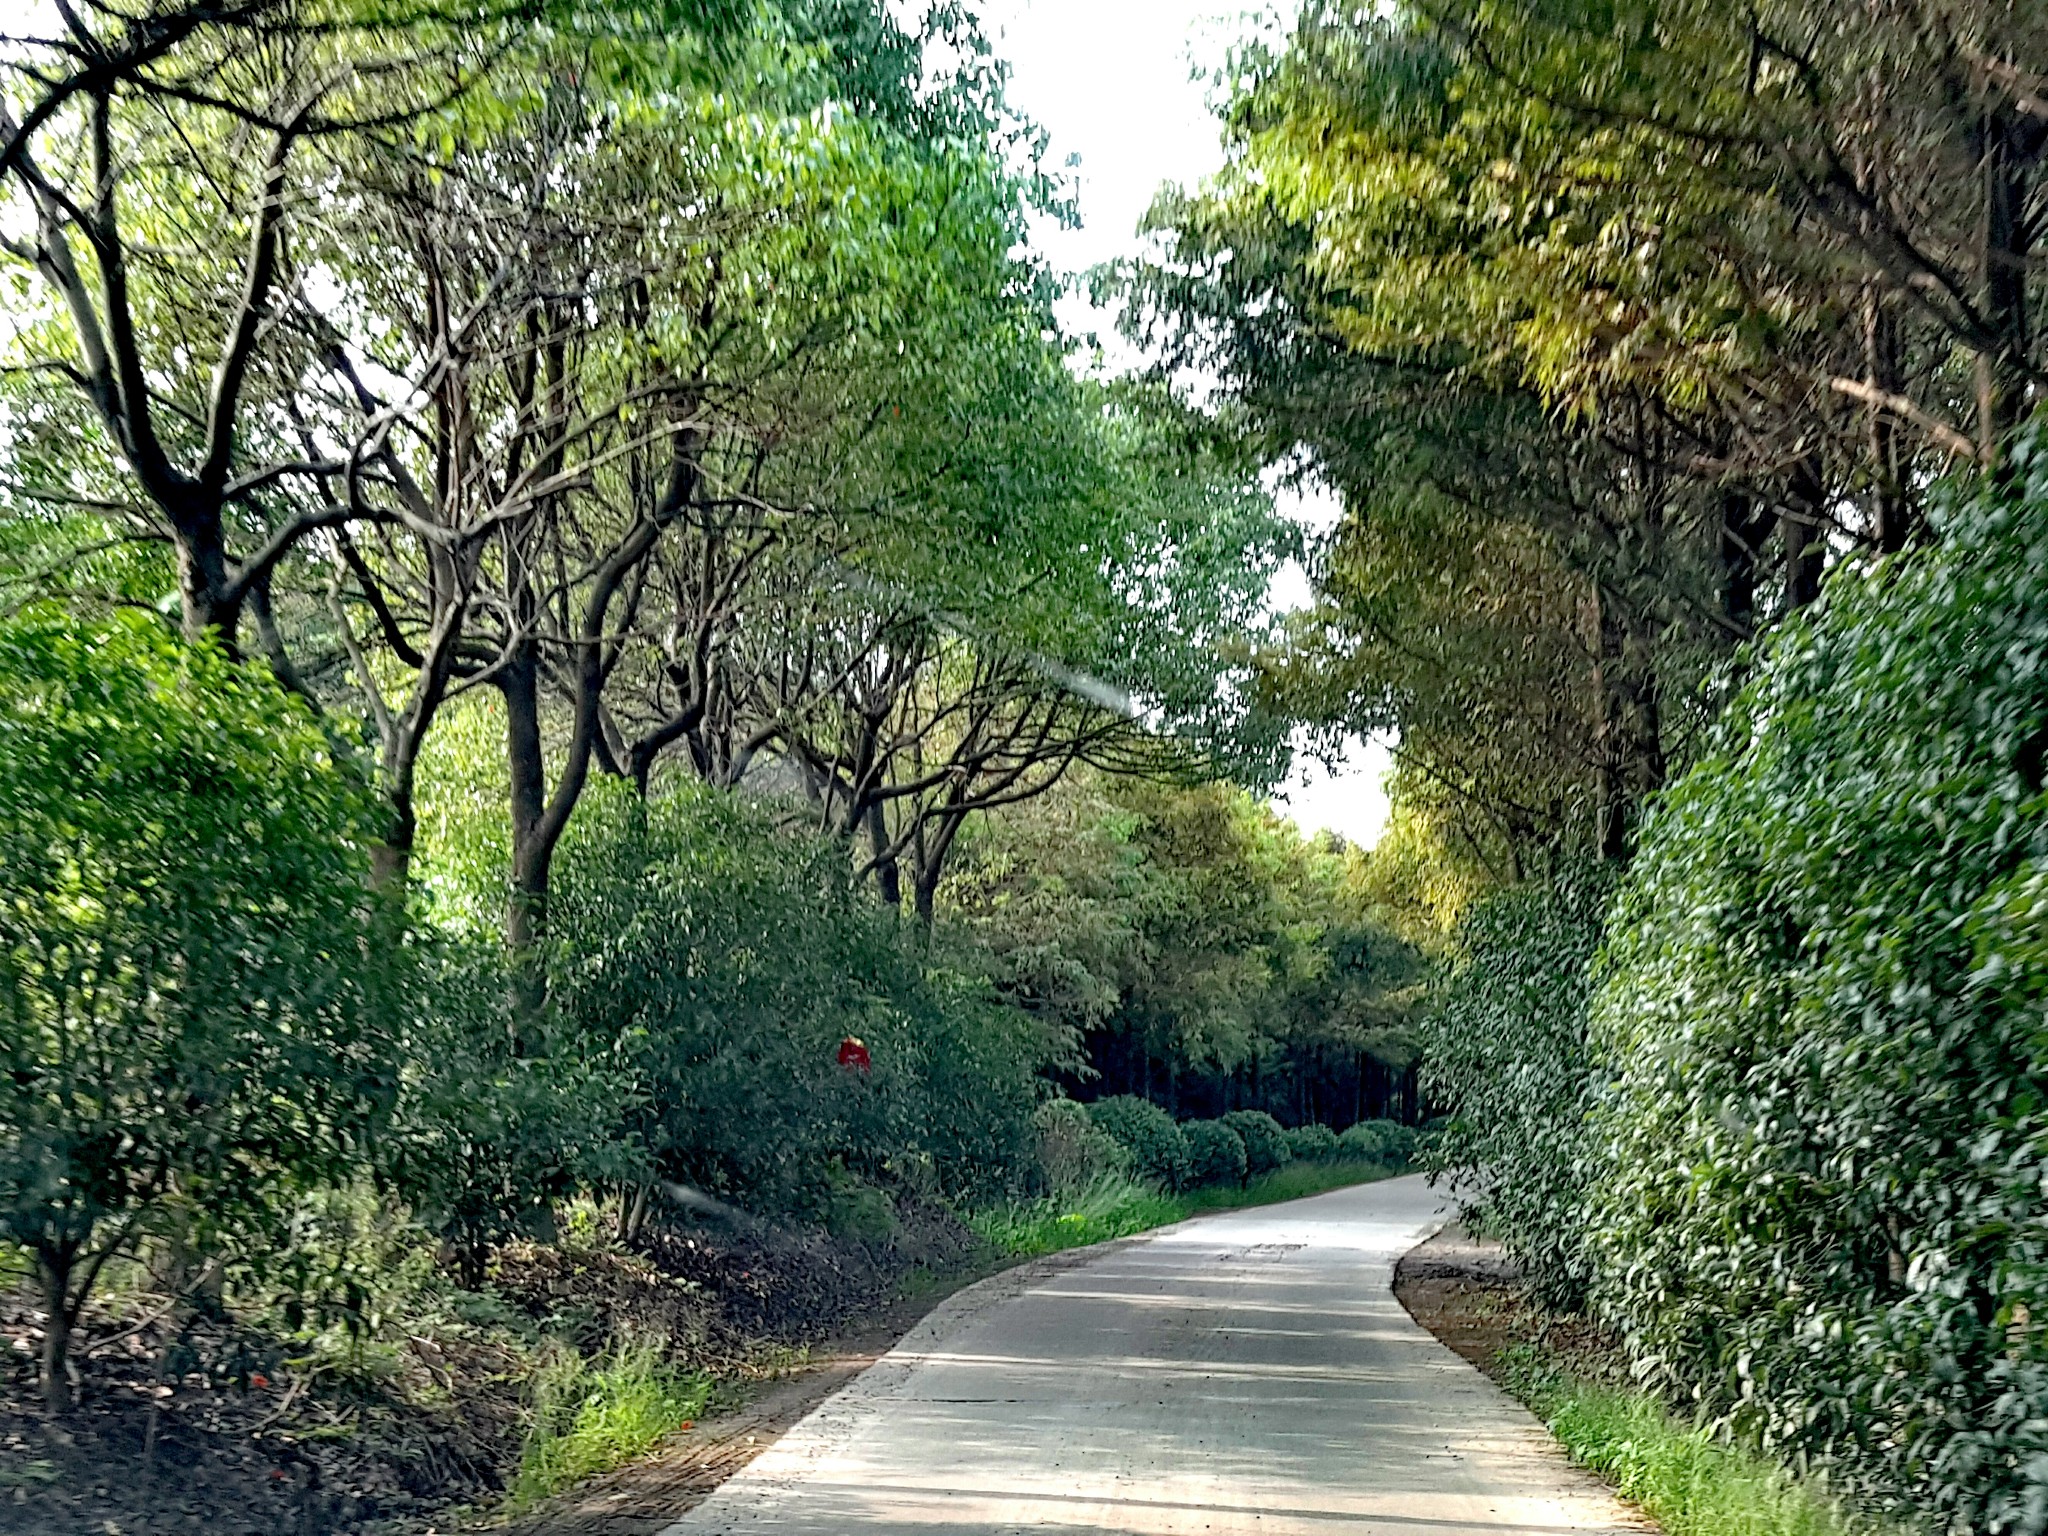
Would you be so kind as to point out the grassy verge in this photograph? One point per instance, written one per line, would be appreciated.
(1117, 1207)
(589, 1418)
(1689, 1480)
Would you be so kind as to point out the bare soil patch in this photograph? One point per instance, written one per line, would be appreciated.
(192, 1423)
(1469, 1293)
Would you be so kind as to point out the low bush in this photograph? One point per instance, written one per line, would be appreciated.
(198, 989)
(722, 958)
(1312, 1143)
(1073, 1151)
(1265, 1144)
(1386, 1142)
(1215, 1153)
(1158, 1149)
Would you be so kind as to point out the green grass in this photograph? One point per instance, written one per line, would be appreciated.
(589, 1418)
(1119, 1207)
(1691, 1481)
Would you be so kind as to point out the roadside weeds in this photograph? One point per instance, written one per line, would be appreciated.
(1685, 1477)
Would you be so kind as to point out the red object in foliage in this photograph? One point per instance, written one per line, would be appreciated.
(853, 1054)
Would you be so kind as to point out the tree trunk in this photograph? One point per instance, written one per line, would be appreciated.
(53, 1269)
(1742, 532)
(888, 872)
(1800, 527)
(1890, 505)
(2008, 148)
(933, 846)
(526, 900)
(1611, 811)
(391, 858)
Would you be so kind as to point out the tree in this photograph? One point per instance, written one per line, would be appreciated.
(1908, 136)
(164, 165)
(1189, 947)
(197, 982)
(1425, 288)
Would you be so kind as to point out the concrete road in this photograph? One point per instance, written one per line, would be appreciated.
(1241, 1373)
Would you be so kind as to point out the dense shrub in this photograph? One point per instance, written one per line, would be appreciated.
(1822, 1159)
(1387, 1142)
(1265, 1144)
(1215, 1153)
(1312, 1143)
(1157, 1147)
(488, 1136)
(724, 960)
(1505, 1053)
(194, 979)
(1073, 1152)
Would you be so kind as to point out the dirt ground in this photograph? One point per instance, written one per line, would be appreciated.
(1468, 1293)
(192, 1424)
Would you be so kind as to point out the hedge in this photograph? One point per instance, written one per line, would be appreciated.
(1312, 1144)
(1265, 1144)
(1215, 1153)
(1158, 1149)
(1378, 1141)
(1817, 1199)
(1505, 1052)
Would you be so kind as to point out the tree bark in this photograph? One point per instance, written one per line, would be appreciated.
(53, 1269)
(1742, 532)
(2009, 148)
(888, 871)
(1891, 509)
(391, 858)
(526, 898)
(1800, 531)
(1611, 813)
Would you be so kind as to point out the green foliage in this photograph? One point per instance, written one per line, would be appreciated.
(720, 961)
(1311, 1143)
(497, 1123)
(1191, 927)
(1265, 1143)
(1427, 283)
(1216, 1153)
(1507, 1059)
(195, 982)
(1378, 1141)
(589, 1417)
(1107, 1207)
(1821, 1158)
(1158, 1148)
(855, 1211)
(1073, 1152)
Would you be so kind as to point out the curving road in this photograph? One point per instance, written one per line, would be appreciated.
(1242, 1373)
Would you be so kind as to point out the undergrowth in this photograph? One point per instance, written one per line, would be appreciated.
(591, 1417)
(1688, 1479)
(1115, 1206)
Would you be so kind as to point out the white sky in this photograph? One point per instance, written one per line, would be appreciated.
(1113, 83)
